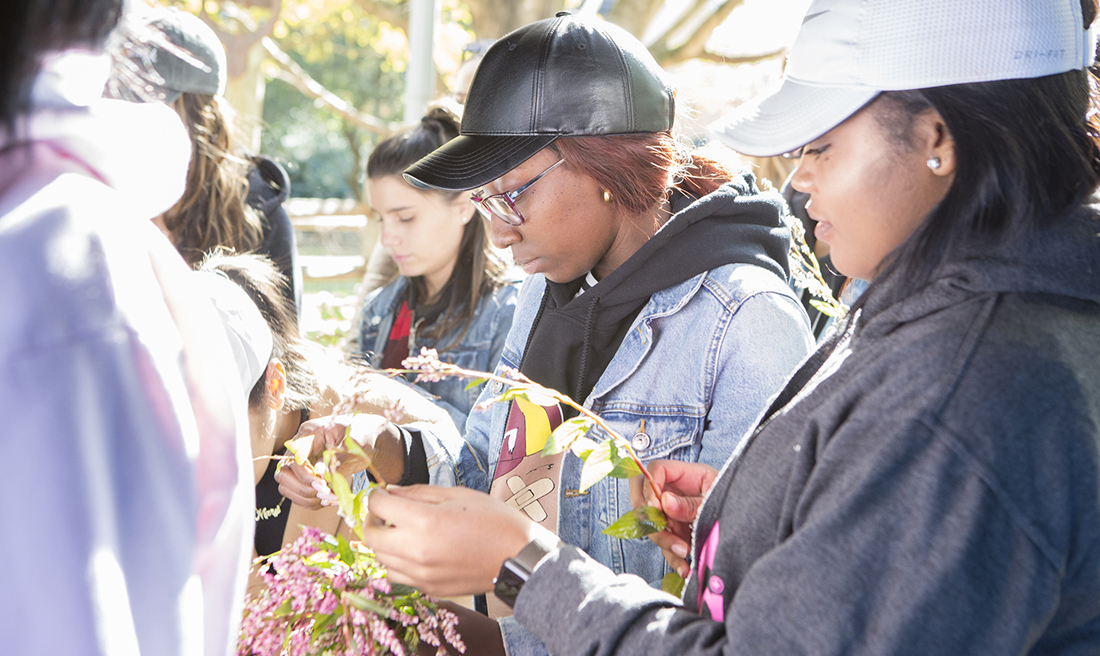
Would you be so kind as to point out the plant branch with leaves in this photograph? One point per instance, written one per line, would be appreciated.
(326, 595)
(613, 456)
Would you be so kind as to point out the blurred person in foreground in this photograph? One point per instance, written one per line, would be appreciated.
(928, 481)
(128, 529)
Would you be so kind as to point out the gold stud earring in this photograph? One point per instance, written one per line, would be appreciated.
(607, 195)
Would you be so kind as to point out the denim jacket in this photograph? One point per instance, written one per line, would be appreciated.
(479, 348)
(698, 365)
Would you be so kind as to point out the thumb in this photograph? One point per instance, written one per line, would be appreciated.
(681, 509)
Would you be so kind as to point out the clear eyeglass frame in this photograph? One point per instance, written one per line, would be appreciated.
(503, 206)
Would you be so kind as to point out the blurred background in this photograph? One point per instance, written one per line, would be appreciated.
(316, 83)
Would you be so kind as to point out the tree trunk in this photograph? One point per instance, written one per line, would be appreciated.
(634, 16)
(493, 19)
(245, 93)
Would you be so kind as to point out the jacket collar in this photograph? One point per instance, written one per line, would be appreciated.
(1061, 259)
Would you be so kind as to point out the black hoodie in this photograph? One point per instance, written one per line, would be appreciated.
(574, 337)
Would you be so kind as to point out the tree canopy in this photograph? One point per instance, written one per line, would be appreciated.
(323, 80)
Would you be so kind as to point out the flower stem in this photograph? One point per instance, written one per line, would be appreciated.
(453, 370)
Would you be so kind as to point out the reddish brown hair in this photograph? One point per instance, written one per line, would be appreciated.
(639, 169)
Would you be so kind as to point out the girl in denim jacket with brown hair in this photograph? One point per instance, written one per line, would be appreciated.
(452, 294)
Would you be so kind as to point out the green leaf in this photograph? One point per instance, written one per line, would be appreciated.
(827, 309)
(321, 561)
(566, 434)
(624, 466)
(583, 447)
(511, 393)
(347, 554)
(402, 590)
(283, 610)
(364, 604)
(477, 382)
(538, 397)
(637, 523)
(532, 395)
(359, 510)
(322, 623)
(327, 543)
(597, 465)
(341, 490)
(353, 447)
(673, 584)
(300, 449)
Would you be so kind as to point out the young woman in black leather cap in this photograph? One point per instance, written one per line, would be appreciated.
(657, 290)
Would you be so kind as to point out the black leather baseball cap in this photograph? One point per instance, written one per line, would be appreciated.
(560, 77)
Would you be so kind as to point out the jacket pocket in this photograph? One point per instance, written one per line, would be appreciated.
(656, 433)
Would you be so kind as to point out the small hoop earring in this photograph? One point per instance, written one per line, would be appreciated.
(934, 163)
(607, 195)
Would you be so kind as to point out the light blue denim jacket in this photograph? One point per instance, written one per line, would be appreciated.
(698, 365)
(478, 349)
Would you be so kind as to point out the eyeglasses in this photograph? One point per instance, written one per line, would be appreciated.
(503, 206)
(794, 154)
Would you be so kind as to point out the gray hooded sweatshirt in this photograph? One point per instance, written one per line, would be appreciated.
(927, 483)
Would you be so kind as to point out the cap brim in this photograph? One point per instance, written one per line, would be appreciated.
(472, 161)
(247, 332)
(787, 117)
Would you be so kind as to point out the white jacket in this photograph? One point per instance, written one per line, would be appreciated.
(127, 521)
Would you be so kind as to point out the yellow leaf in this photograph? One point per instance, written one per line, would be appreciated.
(301, 449)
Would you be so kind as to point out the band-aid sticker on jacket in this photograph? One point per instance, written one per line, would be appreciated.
(526, 497)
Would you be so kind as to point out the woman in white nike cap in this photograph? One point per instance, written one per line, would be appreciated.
(928, 481)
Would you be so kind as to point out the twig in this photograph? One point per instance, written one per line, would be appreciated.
(445, 369)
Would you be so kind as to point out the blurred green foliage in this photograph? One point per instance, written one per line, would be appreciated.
(353, 55)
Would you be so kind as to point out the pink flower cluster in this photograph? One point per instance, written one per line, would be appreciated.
(428, 366)
(328, 596)
(358, 390)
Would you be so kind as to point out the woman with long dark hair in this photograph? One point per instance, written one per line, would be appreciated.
(232, 199)
(452, 294)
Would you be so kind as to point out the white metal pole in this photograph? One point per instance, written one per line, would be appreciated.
(424, 16)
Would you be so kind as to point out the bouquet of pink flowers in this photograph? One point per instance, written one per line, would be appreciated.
(327, 596)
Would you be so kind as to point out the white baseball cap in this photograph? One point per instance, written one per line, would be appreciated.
(248, 334)
(849, 51)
